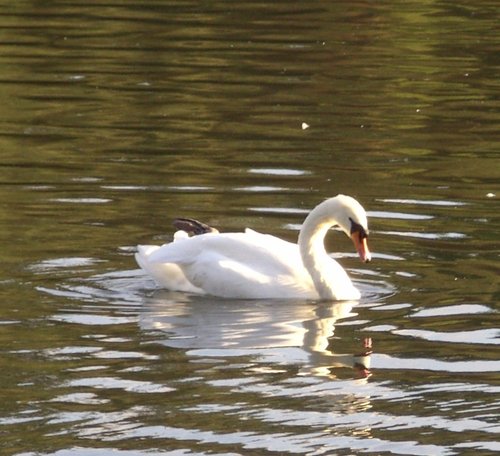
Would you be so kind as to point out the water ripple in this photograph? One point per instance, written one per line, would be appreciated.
(479, 336)
(459, 309)
(132, 386)
(384, 361)
(310, 443)
(423, 202)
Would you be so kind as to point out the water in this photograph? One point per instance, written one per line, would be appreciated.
(119, 116)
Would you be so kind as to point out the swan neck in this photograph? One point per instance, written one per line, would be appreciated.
(312, 247)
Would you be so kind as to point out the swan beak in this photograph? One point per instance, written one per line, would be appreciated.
(361, 246)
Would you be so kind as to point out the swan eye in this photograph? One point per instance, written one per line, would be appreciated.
(357, 228)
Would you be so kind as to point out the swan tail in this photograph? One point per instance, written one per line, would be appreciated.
(193, 226)
(167, 275)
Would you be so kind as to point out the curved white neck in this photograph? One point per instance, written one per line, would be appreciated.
(314, 256)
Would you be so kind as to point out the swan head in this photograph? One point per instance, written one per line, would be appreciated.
(352, 219)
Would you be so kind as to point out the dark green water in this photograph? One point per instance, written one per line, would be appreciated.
(116, 117)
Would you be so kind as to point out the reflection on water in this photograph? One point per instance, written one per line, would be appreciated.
(275, 332)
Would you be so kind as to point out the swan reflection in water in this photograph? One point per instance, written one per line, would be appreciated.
(284, 332)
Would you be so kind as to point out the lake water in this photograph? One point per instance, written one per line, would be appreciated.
(117, 117)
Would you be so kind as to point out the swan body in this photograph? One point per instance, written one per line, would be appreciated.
(251, 265)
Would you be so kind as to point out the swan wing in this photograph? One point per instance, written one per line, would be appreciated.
(239, 265)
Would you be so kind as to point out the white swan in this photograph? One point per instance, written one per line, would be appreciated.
(251, 265)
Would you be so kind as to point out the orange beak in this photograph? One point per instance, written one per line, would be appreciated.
(362, 247)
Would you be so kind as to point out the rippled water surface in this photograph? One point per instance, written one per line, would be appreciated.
(117, 117)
